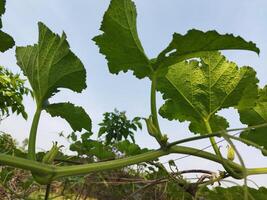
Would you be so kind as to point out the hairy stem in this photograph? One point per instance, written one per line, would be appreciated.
(218, 153)
(87, 168)
(244, 169)
(153, 102)
(220, 133)
(33, 133)
(63, 171)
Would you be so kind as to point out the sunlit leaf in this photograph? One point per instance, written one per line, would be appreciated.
(196, 90)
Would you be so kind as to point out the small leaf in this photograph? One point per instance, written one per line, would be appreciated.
(74, 115)
(196, 90)
(50, 65)
(119, 42)
(195, 43)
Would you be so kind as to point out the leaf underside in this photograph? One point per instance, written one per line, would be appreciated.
(50, 65)
(196, 90)
(123, 50)
(120, 42)
(196, 43)
(74, 115)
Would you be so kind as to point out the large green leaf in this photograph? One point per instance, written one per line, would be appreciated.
(50, 65)
(196, 43)
(255, 115)
(195, 90)
(74, 115)
(233, 193)
(6, 41)
(119, 42)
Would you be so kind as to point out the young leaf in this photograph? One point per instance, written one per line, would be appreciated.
(50, 65)
(74, 115)
(194, 91)
(255, 115)
(195, 43)
(119, 42)
(6, 41)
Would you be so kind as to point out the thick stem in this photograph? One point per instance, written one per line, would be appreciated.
(58, 172)
(88, 168)
(33, 133)
(26, 164)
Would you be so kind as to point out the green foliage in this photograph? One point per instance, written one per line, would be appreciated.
(129, 149)
(6, 41)
(123, 50)
(7, 143)
(116, 126)
(91, 148)
(196, 90)
(232, 193)
(12, 90)
(75, 115)
(50, 65)
(120, 42)
(196, 43)
(255, 113)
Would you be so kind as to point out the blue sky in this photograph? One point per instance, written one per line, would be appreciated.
(157, 21)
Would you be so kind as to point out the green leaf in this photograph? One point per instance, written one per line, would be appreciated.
(255, 115)
(120, 43)
(196, 90)
(129, 149)
(6, 41)
(99, 150)
(74, 115)
(233, 193)
(12, 90)
(50, 65)
(195, 43)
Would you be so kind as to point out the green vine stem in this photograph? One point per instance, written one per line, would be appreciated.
(153, 102)
(33, 133)
(220, 133)
(244, 169)
(218, 153)
(157, 134)
(58, 172)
